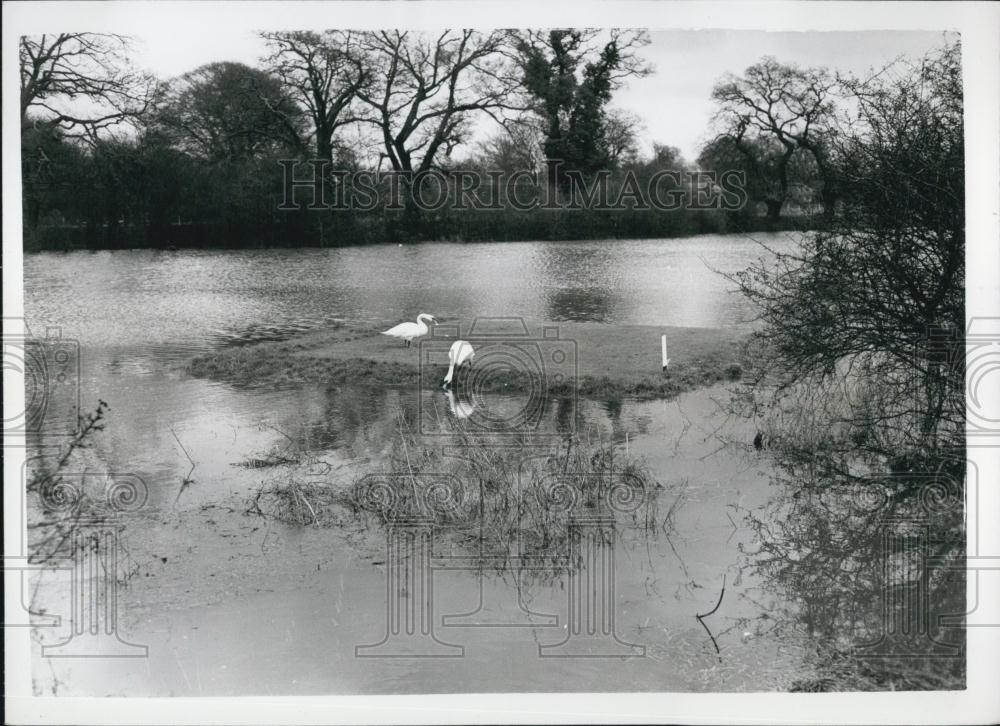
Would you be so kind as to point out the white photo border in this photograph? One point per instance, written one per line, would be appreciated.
(979, 26)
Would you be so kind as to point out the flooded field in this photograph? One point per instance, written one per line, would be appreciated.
(248, 571)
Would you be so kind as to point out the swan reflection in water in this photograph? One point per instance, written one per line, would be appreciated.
(460, 409)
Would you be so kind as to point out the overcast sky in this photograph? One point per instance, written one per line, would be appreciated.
(674, 102)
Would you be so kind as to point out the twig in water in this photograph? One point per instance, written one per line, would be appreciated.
(712, 612)
(684, 429)
(406, 452)
(569, 447)
(187, 480)
(713, 453)
(676, 553)
(306, 502)
(735, 528)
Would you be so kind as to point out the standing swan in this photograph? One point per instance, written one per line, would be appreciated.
(461, 352)
(409, 331)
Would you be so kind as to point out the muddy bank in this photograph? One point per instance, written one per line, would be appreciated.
(597, 360)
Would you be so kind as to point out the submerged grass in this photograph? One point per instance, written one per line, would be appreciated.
(508, 503)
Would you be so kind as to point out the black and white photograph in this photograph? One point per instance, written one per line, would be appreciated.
(484, 362)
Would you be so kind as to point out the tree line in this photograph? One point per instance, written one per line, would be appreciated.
(115, 157)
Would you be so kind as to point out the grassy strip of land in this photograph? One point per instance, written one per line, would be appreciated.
(599, 361)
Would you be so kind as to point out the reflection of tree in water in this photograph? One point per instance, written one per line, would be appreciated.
(869, 569)
(567, 415)
(614, 407)
(864, 535)
(584, 282)
(353, 417)
(582, 304)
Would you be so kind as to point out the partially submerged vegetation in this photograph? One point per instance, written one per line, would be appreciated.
(612, 362)
(59, 498)
(506, 504)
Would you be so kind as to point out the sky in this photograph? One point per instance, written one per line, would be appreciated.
(674, 102)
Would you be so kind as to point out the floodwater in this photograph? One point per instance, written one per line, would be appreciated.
(175, 302)
(231, 603)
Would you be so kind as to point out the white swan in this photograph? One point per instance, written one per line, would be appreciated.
(409, 331)
(461, 352)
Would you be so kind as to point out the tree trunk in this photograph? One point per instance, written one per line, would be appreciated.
(774, 209)
(32, 207)
(829, 198)
(412, 213)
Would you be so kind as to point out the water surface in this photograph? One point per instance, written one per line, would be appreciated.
(176, 302)
(233, 604)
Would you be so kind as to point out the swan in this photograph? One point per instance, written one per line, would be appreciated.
(409, 331)
(461, 352)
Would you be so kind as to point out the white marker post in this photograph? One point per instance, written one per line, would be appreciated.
(666, 360)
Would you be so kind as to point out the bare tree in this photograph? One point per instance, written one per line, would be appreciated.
(783, 103)
(621, 136)
(428, 88)
(325, 72)
(81, 82)
(516, 148)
